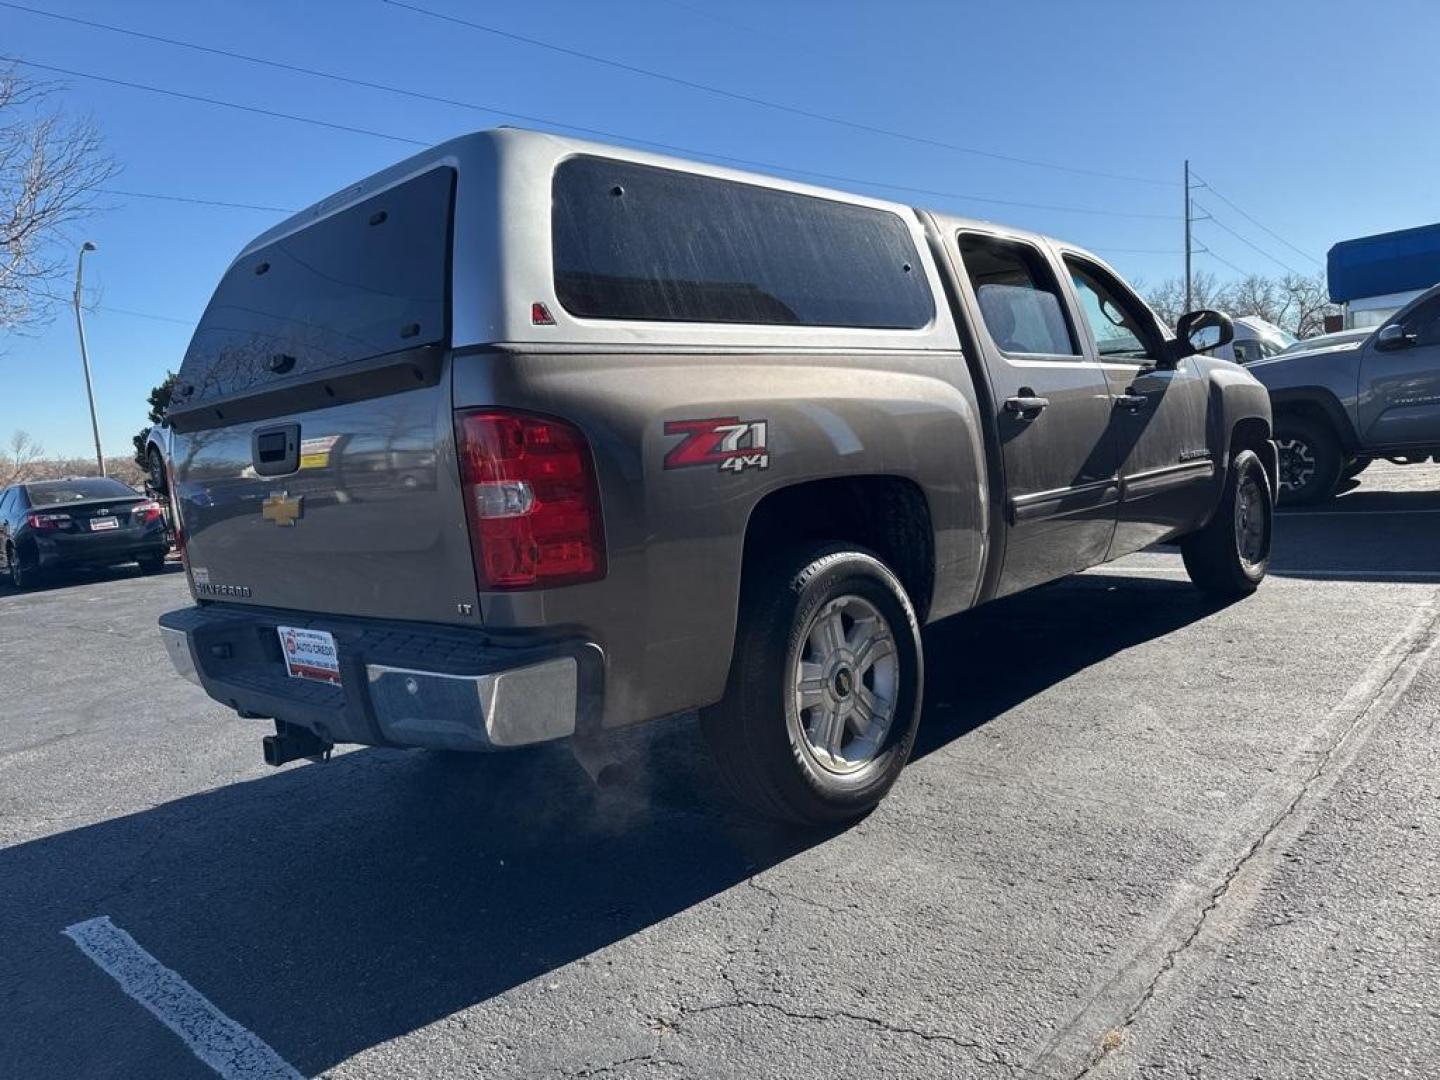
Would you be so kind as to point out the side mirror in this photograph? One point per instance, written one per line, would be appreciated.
(1394, 336)
(1197, 331)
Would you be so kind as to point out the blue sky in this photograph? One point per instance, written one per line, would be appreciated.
(1314, 116)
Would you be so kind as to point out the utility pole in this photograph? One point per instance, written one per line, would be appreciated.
(85, 355)
(1187, 235)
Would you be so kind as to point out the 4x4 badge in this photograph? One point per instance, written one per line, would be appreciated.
(283, 510)
(727, 442)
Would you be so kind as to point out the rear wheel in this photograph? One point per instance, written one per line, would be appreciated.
(824, 696)
(1310, 460)
(20, 576)
(1229, 557)
(152, 564)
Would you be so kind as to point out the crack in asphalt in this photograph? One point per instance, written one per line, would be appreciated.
(1115, 1036)
(741, 1001)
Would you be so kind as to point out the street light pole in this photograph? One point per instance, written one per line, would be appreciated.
(85, 355)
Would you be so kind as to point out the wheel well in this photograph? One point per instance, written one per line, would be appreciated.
(1318, 412)
(1253, 433)
(888, 515)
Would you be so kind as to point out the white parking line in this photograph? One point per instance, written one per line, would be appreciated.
(1350, 513)
(231, 1050)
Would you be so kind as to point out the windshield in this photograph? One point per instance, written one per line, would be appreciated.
(51, 492)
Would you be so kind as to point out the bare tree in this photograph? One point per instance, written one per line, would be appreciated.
(1167, 299)
(1295, 302)
(1307, 304)
(18, 459)
(50, 169)
(1257, 295)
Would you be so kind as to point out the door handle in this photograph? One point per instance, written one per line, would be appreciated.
(1133, 402)
(1025, 406)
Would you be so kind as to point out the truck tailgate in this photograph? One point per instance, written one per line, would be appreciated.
(371, 523)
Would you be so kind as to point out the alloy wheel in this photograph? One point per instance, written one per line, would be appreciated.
(845, 683)
(1297, 463)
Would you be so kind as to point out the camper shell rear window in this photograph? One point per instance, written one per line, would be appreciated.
(362, 283)
(638, 242)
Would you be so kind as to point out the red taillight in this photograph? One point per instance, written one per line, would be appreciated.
(47, 522)
(146, 512)
(531, 500)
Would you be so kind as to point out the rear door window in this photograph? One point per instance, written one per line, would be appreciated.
(370, 280)
(1018, 295)
(638, 242)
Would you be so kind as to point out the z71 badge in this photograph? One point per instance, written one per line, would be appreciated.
(727, 442)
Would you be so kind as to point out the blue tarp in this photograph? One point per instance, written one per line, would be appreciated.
(1384, 263)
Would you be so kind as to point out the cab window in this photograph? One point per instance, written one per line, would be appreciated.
(1019, 297)
(1122, 326)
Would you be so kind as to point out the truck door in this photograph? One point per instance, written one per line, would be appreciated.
(1052, 408)
(1399, 401)
(1167, 468)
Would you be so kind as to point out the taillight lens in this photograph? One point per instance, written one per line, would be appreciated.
(48, 522)
(146, 512)
(531, 500)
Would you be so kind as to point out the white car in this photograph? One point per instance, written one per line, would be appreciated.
(1255, 339)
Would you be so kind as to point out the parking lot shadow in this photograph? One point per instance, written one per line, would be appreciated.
(1368, 534)
(84, 577)
(986, 661)
(332, 908)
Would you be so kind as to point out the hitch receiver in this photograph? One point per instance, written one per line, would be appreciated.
(291, 742)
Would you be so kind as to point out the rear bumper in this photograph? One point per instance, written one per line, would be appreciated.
(98, 549)
(402, 684)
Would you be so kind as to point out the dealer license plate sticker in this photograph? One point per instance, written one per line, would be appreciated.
(99, 524)
(309, 654)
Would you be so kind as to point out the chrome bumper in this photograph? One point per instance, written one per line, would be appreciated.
(494, 696)
(475, 712)
(177, 647)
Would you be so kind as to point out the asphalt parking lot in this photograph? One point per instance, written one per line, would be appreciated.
(1142, 836)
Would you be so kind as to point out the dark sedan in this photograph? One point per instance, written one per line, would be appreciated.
(53, 525)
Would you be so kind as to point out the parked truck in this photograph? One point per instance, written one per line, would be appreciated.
(1338, 406)
(642, 436)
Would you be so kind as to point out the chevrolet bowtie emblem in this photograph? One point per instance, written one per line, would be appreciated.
(281, 509)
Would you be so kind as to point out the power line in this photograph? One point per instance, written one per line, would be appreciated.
(1217, 258)
(1263, 228)
(198, 202)
(273, 113)
(119, 310)
(529, 118)
(1254, 247)
(765, 103)
(145, 315)
(744, 162)
(1141, 251)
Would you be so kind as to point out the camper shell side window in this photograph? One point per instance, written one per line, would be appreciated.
(639, 242)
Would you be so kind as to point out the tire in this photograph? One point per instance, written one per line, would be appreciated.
(1310, 460)
(152, 564)
(20, 577)
(846, 612)
(1228, 558)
